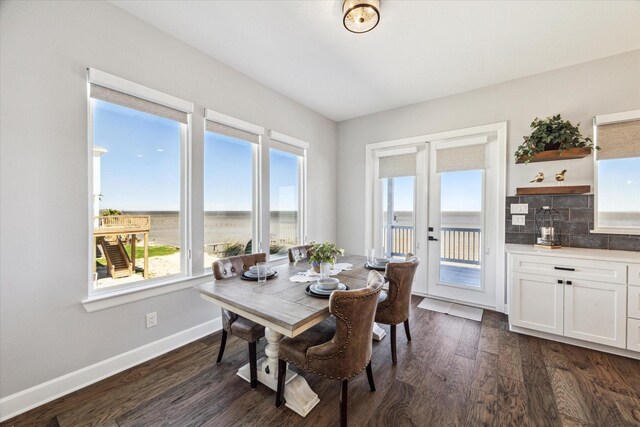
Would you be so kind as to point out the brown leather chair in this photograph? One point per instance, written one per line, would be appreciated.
(340, 347)
(245, 329)
(395, 308)
(297, 253)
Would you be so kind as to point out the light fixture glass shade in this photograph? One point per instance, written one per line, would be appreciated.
(360, 16)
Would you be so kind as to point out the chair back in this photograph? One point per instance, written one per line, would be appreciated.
(350, 347)
(395, 308)
(297, 253)
(225, 268)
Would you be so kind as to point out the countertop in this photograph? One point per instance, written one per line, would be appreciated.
(595, 254)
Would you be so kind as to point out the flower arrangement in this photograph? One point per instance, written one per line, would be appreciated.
(552, 133)
(324, 252)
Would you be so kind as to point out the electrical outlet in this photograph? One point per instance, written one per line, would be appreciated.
(519, 208)
(152, 319)
(517, 219)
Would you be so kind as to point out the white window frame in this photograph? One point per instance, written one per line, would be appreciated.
(302, 187)
(602, 120)
(119, 84)
(256, 159)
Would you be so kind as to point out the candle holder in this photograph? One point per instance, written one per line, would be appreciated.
(547, 222)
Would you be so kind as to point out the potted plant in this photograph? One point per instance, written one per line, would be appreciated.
(552, 133)
(323, 255)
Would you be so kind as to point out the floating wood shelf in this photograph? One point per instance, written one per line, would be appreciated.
(548, 156)
(558, 189)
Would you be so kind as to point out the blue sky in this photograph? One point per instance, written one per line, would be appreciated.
(141, 168)
(619, 185)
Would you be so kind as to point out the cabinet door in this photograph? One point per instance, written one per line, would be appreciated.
(536, 303)
(633, 335)
(596, 312)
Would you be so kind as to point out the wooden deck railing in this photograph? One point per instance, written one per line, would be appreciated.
(122, 224)
(457, 244)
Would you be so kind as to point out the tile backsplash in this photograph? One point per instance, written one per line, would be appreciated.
(576, 214)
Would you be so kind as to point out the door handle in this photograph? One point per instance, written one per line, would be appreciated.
(565, 268)
(433, 239)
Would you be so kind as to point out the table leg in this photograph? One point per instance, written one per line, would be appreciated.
(378, 332)
(297, 393)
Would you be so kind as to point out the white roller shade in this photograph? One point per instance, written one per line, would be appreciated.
(619, 140)
(133, 102)
(287, 148)
(232, 132)
(288, 144)
(393, 166)
(467, 157)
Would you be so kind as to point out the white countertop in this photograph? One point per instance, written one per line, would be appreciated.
(596, 254)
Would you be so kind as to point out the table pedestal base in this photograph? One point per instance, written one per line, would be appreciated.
(378, 332)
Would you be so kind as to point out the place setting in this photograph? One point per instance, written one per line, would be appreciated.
(323, 288)
(260, 272)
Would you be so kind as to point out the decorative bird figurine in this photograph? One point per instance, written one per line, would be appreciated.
(560, 175)
(538, 178)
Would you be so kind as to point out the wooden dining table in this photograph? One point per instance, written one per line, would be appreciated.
(285, 309)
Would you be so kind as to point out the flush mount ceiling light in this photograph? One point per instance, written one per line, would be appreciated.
(360, 16)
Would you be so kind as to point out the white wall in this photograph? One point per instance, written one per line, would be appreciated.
(45, 48)
(580, 92)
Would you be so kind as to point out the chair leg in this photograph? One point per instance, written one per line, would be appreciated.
(253, 364)
(406, 330)
(282, 374)
(394, 358)
(223, 342)
(372, 385)
(343, 404)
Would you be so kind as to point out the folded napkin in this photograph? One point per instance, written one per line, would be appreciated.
(312, 276)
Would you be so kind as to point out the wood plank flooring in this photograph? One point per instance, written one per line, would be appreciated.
(455, 372)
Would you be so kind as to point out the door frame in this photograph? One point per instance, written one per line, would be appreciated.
(500, 128)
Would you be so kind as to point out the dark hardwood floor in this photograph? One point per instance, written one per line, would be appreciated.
(455, 372)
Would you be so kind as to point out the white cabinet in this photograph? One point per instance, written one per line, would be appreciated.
(594, 300)
(537, 303)
(595, 312)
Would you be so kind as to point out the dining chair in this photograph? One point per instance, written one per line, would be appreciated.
(248, 330)
(338, 348)
(395, 307)
(298, 253)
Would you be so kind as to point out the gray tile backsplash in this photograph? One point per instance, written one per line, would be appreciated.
(576, 221)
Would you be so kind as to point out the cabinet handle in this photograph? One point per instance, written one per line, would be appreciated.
(565, 268)
(569, 282)
(560, 282)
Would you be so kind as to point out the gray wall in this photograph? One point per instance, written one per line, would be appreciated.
(45, 48)
(579, 92)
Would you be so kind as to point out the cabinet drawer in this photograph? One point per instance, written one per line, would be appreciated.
(569, 268)
(633, 334)
(634, 274)
(634, 302)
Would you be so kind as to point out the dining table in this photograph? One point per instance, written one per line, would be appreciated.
(286, 310)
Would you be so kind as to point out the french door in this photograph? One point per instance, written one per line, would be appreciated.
(444, 202)
(462, 219)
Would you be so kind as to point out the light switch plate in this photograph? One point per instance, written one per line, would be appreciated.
(519, 208)
(517, 219)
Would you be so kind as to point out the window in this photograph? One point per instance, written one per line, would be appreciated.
(138, 214)
(617, 209)
(286, 196)
(231, 216)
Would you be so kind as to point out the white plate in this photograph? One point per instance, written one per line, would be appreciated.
(252, 274)
(317, 290)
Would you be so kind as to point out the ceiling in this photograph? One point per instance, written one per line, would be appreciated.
(421, 50)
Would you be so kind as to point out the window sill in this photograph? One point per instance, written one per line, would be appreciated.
(623, 232)
(126, 296)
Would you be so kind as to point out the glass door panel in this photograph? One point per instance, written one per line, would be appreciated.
(461, 222)
(398, 216)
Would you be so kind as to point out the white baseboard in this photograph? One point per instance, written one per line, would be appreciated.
(40, 394)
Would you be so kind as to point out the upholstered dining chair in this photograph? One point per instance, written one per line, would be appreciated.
(395, 308)
(297, 253)
(245, 329)
(340, 347)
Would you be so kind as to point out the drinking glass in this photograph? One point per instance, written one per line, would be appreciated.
(262, 272)
(325, 270)
(372, 256)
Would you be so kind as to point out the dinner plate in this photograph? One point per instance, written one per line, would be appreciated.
(246, 276)
(311, 293)
(318, 290)
(252, 274)
(377, 267)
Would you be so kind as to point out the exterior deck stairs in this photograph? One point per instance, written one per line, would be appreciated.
(118, 262)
